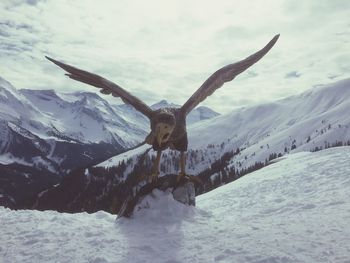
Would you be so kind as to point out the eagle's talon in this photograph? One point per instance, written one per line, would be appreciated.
(153, 178)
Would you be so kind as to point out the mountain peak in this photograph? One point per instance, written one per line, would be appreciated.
(6, 84)
(201, 113)
(86, 94)
(164, 104)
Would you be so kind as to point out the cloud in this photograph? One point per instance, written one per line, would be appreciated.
(293, 74)
(167, 49)
(32, 2)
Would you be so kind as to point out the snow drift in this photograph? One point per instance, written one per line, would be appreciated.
(295, 210)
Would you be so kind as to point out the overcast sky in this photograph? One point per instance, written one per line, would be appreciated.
(159, 49)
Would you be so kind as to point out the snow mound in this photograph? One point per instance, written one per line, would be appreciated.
(295, 210)
(162, 207)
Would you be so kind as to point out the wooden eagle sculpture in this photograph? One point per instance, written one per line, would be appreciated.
(168, 125)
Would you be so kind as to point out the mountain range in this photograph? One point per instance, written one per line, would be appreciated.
(45, 134)
(221, 149)
(313, 120)
(52, 138)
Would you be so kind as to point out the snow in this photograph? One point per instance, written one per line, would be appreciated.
(321, 114)
(294, 210)
(8, 158)
(199, 114)
(307, 110)
(38, 161)
(81, 116)
(123, 156)
(310, 120)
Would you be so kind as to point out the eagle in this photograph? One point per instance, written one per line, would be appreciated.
(168, 125)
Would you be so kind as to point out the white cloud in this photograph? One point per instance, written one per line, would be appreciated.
(166, 49)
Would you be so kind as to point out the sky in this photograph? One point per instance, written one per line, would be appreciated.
(162, 49)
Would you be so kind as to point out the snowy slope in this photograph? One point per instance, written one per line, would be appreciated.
(315, 119)
(79, 116)
(297, 116)
(84, 117)
(46, 132)
(13, 105)
(295, 210)
(318, 118)
(199, 114)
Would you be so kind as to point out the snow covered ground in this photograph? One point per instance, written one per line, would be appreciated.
(295, 210)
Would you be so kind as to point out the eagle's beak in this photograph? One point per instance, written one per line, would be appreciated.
(162, 137)
(159, 139)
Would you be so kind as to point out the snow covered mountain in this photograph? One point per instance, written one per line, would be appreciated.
(249, 137)
(314, 120)
(43, 136)
(44, 132)
(222, 149)
(295, 210)
(82, 117)
(317, 113)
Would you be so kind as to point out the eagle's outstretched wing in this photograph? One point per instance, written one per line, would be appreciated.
(106, 86)
(223, 75)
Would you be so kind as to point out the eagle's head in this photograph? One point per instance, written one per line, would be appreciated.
(164, 126)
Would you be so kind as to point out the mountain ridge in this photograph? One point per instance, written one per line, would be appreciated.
(313, 120)
(61, 132)
(221, 150)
